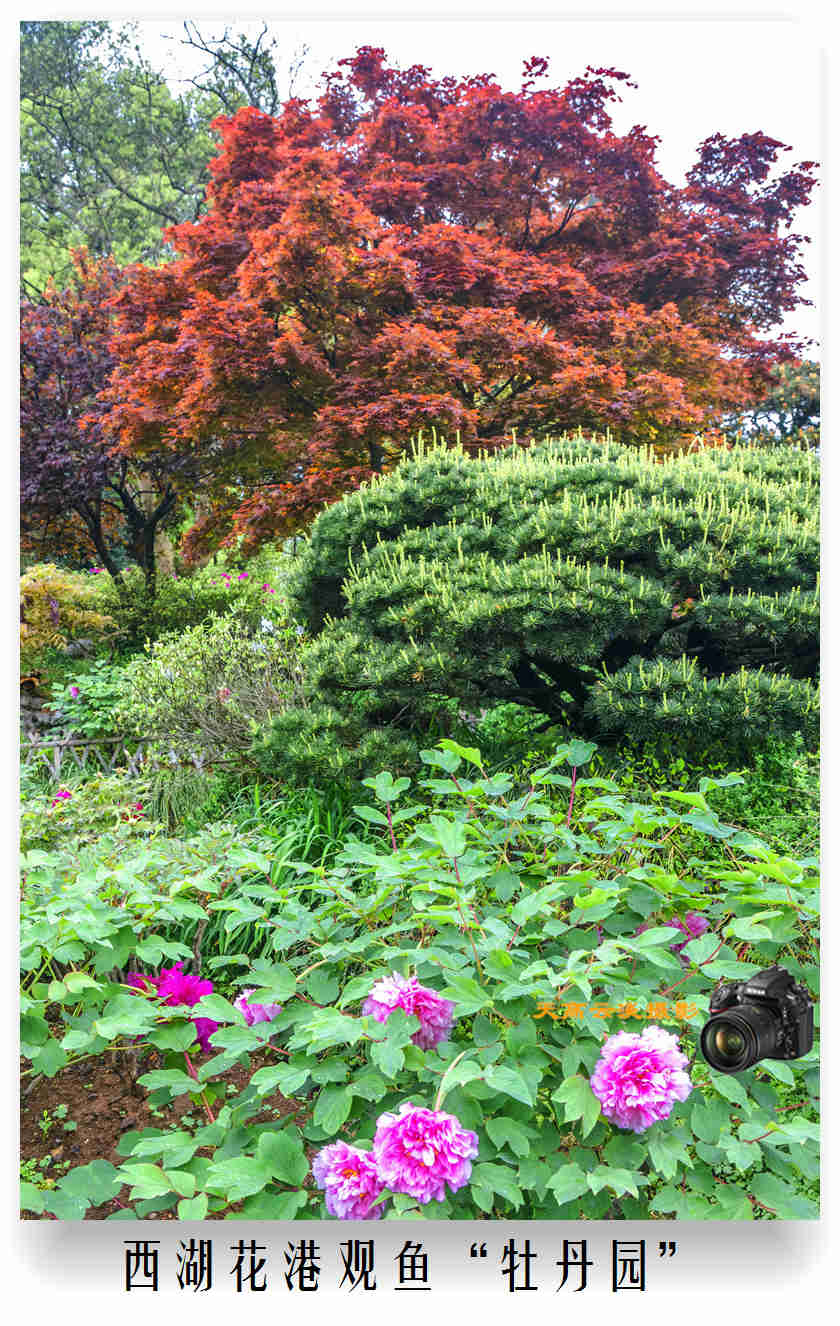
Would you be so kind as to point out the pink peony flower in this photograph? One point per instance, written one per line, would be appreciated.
(204, 1028)
(420, 1151)
(175, 986)
(350, 1181)
(639, 1076)
(694, 925)
(254, 1013)
(434, 1012)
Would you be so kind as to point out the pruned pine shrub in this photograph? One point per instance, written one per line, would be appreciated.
(622, 594)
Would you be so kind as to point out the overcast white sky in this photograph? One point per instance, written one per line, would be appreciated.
(695, 78)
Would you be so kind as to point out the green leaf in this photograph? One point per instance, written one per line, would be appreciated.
(370, 814)
(498, 1179)
(536, 903)
(215, 1007)
(181, 1182)
(236, 1177)
(65, 1205)
(145, 1180)
(780, 1197)
(283, 1153)
(579, 752)
(567, 1183)
(709, 1119)
(286, 1078)
(728, 1085)
(733, 1202)
(386, 787)
(504, 1131)
(667, 1151)
(96, 1183)
(747, 927)
(50, 1058)
(579, 1102)
(467, 994)
(178, 1082)
(332, 1108)
(509, 1081)
(620, 1181)
(272, 1206)
(32, 1198)
(778, 1069)
(468, 753)
(193, 1208)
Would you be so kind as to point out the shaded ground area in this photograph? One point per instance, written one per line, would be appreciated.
(100, 1101)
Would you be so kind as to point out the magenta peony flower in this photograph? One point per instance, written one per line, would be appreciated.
(350, 1181)
(204, 1028)
(61, 795)
(74, 691)
(420, 1151)
(694, 925)
(639, 1076)
(243, 575)
(175, 986)
(254, 1013)
(434, 1012)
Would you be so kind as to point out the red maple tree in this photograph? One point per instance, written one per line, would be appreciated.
(409, 252)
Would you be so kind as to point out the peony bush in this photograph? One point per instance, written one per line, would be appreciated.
(487, 1006)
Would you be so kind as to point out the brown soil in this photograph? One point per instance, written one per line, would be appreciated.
(104, 1105)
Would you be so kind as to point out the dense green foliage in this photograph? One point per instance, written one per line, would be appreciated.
(110, 155)
(506, 897)
(606, 591)
(203, 690)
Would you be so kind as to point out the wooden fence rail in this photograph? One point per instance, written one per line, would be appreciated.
(109, 753)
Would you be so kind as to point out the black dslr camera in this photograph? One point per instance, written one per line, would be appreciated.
(768, 1016)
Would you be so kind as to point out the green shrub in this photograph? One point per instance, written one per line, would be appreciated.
(82, 809)
(86, 703)
(203, 689)
(520, 901)
(248, 590)
(601, 588)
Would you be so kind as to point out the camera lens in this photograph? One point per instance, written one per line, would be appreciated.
(737, 1039)
(729, 1044)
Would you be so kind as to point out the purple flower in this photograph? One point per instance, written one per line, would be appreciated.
(694, 925)
(204, 1028)
(639, 1076)
(434, 1012)
(96, 570)
(74, 691)
(175, 986)
(350, 1181)
(420, 1151)
(254, 1013)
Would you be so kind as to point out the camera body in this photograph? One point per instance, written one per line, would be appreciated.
(767, 1016)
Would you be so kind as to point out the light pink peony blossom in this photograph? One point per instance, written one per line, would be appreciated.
(419, 1151)
(350, 1181)
(433, 1011)
(254, 1013)
(639, 1076)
